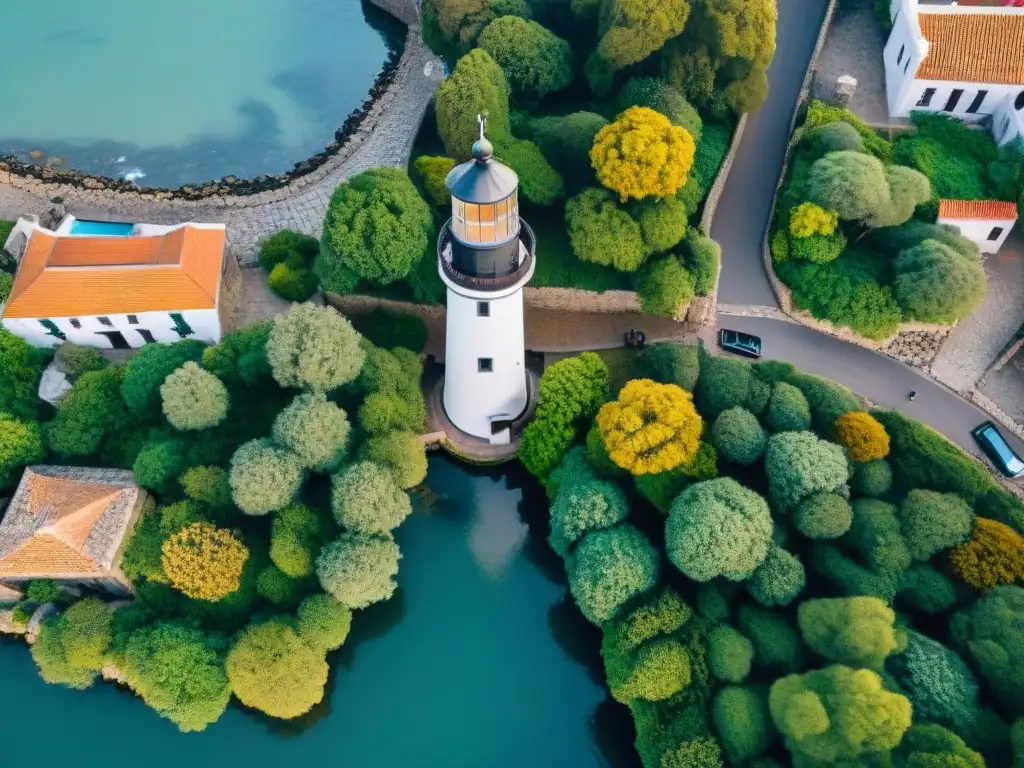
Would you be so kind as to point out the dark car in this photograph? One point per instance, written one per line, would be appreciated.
(741, 343)
(996, 448)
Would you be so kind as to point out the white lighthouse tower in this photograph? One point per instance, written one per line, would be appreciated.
(485, 257)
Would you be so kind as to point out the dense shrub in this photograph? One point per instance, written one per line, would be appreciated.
(677, 364)
(146, 371)
(664, 286)
(315, 430)
(823, 516)
(826, 399)
(584, 504)
(838, 715)
(366, 499)
(476, 86)
(729, 654)
(204, 562)
(21, 366)
(609, 567)
(876, 535)
(861, 435)
(74, 360)
(927, 744)
(263, 477)
(742, 722)
(654, 93)
(718, 528)
(642, 154)
(296, 534)
(856, 631)
(433, 172)
(994, 555)
(566, 141)
(872, 478)
(630, 33)
(21, 444)
(787, 409)
(776, 641)
(323, 622)
(359, 569)
(925, 589)
(935, 284)
(385, 328)
(241, 356)
(193, 398)
(724, 383)
(860, 188)
(660, 613)
(400, 452)
(279, 589)
(851, 578)
(990, 634)
(702, 259)
(538, 181)
(836, 137)
(602, 232)
(655, 672)
(662, 222)
(808, 219)
(799, 464)
(313, 348)
(535, 61)
(376, 229)
(291, 282)
(287, 244)
(737, 435)
(932, 522)
(778, 579)
(71, 647)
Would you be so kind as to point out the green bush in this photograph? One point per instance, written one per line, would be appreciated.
(703, 256)
(21, 444)
(856, 631)
(388, 329)
(609, 567)
(193, 399)
(279, 589)
(71, 647)
(711, 150)
(313, 348)
(21, 366)
(777, 580)
(835, 137)
(935, 284)
(662, 222)
(850, 578)
(777, 644)
(602, 232)
(535, 61)
(826, 399)
(723, 383)
(323, 622)
(925, 589)
(400, 452)
(366, 499)
(539, 182)
(927, 744)
(433, 173)
(583, 505)
(932, 522)
(74, 360)
(566, 141)
(475, 86)
(296, 535)
(292, 284)
(146, 371)
(788, 410)
(655, 672)
(729, 654)
(823, 516)
(991, 634)
(872, 478)
(315, 430)
(664, 286)
(43, 591)
(286, 243)
(743, 724)
(659, 614)
(264, 477)
(669, 363)
(737, 435)
(359, 569)
(799, 464)
(876, 536)
(654, 93)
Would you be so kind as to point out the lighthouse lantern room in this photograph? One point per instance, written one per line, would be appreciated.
(485, 258)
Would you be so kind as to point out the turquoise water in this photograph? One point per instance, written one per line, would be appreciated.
(184, 91)
(105, 228)
(479, 660)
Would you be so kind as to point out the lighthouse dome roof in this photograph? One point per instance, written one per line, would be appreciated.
(482, 180)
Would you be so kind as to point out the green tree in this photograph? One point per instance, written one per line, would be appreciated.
(737, 435)
(875, 534)
(273, 670)
(748, 93)
(72, 646)
(193, 399)
(856, 631)
(718, 528)
(738, 30)
(584, 504)
(873, 478)
(240, 356)
(837, 715)
(278, 588)
(90, 411)
(787, 409)
(654, 93)
(157, 464)
(729, 654)
(657, 670)
(535, 61)
(314, 348)
(366, 499)
(315, 430)
(908, 189)
(566, 140)
(401, 453)
(741, 718)
(264, 477)
(376, 229)
(799, 464)
(43, 591)
(296, 535)
(285, 245)
(835, 137)
(323, 622)
(724, 383)
(662, 223)
(932, 522)
(666, 363)
(359, 569)
(21, 444)
(208, 485)
(927, 745)
(703, 256)
(859, 188)
(539, 182)
(21, 366)
(609, 567)
(434, 172)
(631, 31)
(926, 589)
(74, 360)
(179, 672)
(292, 282)
(476, 86)
(664, 285)
(777, 643)
(935, 284)
(823, 516)
(602, 232)
(145, 373)
(778, 579)
(991, 634)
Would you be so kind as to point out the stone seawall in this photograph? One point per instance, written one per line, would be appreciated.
(406, 11)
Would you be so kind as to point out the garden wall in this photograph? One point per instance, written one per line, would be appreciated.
(916, 344)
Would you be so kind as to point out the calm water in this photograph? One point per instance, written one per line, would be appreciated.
(184, 91)
(479, 660)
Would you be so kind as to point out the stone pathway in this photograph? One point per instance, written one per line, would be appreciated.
(384, 139)
(977, 340)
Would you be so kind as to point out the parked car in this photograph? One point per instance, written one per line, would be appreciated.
(741, 343)
(996, 448)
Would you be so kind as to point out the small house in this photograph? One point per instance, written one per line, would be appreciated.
(962, 60)
(107, 285)
(985, 222)
(70, 524)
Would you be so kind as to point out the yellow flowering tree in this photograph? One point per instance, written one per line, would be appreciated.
(809, 219)
(203, 561)
(862, 436)
(642, 155)
(651, 428)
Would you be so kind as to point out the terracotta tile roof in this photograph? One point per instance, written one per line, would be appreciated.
(66, 522)
(973, 47)
(990, 210)
(83, 276)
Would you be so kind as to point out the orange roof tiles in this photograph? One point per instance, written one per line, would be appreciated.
(973, 47)
(990, 210)
(82, 276)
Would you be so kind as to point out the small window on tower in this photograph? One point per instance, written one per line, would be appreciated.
(483, 309)
(484, 364)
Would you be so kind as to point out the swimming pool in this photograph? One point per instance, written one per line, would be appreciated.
(107, 228)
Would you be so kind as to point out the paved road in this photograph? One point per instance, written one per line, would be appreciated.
(746, 202)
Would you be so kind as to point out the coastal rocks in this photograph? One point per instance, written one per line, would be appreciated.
(53, 384)
(916, 348)
(7, 624)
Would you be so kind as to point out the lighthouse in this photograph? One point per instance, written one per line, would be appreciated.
(485, 256)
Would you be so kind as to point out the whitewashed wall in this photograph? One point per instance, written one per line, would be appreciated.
(978, 231)
(205, 326)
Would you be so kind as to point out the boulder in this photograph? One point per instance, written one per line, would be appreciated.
(53, 385)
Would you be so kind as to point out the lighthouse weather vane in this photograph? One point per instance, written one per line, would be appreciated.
(482, 119)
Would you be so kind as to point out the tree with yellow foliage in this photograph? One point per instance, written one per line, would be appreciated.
(809, 219)
(993, 556)
(651, 427)
(642, 155)
(203, 561)
(862, 436)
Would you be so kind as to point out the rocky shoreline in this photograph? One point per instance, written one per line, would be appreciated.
(229, 185)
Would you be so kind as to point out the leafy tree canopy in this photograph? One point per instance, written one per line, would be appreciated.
(476, 86)
(263, 477)
(314, 348)
(193, 399)
(21, 366)
(204, 562)
(609, 567)
(602, 232)
(315, 430)
(146, 371)
(359, 569)
(799, 464)
(857, 631)
(366, 499)
(535, 61)
(935, 284)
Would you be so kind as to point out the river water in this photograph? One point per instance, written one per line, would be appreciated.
(480, 660)
(184, 91)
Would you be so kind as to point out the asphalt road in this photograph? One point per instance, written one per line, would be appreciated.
(745, 205)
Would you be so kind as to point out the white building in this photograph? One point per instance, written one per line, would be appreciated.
(107, 285)
(965, 61)
(485, 257)
(985, 222)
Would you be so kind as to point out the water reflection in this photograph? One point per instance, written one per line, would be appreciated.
(496, 534)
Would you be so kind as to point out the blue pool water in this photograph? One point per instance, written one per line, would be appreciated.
(108, 228)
